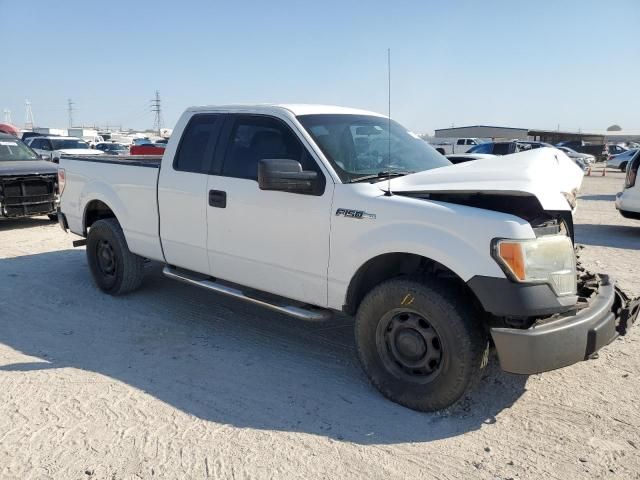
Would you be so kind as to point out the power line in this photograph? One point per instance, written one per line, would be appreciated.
(156, 108)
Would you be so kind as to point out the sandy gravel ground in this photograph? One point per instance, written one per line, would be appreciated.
(172, 382)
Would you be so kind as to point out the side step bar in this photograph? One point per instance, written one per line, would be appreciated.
(309, 313)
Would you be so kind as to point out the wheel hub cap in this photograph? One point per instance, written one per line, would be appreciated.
(106, 257)
(409, 346)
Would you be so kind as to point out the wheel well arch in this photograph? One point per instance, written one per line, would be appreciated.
(389, 265)
(94, 211)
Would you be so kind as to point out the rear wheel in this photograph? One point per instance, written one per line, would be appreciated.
(114, 268)
(53, 217)
(420, 345)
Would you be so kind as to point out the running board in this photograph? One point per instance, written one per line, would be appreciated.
(307, 312)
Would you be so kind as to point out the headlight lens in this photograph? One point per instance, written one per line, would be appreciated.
(548, 259)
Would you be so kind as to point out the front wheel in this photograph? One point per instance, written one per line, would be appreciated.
(420, 344)
(114, 268)
(623, 167)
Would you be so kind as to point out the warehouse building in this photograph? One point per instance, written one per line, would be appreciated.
(484, 131)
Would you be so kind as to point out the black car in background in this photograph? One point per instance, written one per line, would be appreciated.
(28, 184)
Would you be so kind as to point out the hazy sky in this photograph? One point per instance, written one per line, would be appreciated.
(512, 63)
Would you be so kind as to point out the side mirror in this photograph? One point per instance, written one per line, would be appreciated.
(286, 175)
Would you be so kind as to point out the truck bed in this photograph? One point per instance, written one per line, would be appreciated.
(129, 192)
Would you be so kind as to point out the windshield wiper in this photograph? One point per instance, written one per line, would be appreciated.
(380, 176)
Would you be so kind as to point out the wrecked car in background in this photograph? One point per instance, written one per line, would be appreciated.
(28, 184)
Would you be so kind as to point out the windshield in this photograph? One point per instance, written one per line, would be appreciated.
(358, 145)
(15, 150)
(65, 143)
(115, 147)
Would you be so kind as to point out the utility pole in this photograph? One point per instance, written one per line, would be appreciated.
(70, 111)
(28, 116)
(156, 108)
(7, 115)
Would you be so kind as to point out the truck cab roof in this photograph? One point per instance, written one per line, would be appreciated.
(295, 109)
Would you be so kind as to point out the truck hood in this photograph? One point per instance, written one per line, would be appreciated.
(79, 151)
(546, 173)
(27, 167)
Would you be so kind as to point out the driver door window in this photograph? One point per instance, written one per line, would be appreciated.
(255, 138)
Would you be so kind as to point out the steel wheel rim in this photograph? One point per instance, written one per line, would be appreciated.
(409, 346)
(106, 258)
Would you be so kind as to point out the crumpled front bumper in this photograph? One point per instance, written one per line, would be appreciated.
(568, 338)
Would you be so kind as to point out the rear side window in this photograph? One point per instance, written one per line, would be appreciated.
(255, 138)
(460, 141)
(198, 144)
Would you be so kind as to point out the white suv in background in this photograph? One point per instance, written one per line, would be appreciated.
(51, 147)
(628, 201)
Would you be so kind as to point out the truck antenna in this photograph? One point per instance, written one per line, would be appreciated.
(388, 192)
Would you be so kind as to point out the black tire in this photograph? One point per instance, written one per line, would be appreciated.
(114, 268)
(623, 167)
(450, 365)
(53, 217)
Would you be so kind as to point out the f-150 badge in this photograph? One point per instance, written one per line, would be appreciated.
(347, 212)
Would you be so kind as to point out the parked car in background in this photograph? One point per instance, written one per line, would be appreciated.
(628, 201)
(615, 149)
(621, 160)
(506, 148)
(27, 135)
(51, 147)
(112, 148)
(584, 157)
(148, 149)
(598, 150)
(28, 184)
(454, 145)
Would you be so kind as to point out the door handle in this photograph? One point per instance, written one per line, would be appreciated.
(217, 198)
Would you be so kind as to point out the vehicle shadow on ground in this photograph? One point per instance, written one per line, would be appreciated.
(19, 223)
(616, 236)
(218, 359)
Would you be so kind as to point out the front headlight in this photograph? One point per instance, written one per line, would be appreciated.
(548, 259)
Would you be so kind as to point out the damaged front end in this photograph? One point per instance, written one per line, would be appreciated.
(602, 313)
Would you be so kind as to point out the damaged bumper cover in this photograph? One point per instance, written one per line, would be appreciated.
(603, 314)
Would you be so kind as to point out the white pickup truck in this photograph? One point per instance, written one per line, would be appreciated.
(309, 209)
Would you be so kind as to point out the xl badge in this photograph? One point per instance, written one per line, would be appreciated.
(347, 212)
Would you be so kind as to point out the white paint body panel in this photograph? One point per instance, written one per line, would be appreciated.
(272, 241)
(543, 172)
(182, 199)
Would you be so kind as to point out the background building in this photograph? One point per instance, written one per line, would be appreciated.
(483, 131)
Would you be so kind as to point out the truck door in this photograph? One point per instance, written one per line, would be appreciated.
(182, 189)
(273, 241)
